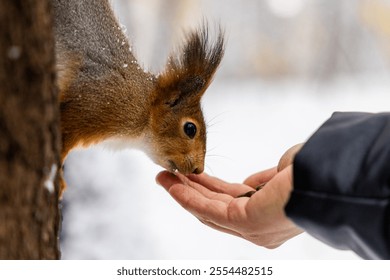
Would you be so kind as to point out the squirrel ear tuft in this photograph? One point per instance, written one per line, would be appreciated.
(191, 70)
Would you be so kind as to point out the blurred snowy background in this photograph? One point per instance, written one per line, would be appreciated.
(288, 65)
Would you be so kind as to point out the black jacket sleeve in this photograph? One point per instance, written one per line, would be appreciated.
(342, 184)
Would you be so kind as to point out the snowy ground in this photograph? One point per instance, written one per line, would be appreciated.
(113, 208)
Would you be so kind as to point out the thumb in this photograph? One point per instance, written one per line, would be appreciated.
(288, 156)
(260, 177)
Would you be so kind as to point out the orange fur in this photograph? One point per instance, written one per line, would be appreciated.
(105, 95)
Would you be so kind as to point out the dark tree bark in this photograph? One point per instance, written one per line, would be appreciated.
(29, 132)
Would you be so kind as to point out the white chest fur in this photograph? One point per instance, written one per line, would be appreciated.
(121, 143)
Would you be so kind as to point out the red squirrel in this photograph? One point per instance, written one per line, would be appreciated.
(105, 95)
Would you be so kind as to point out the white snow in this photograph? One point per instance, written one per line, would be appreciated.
(286, 8)
(113, 208)
(14, 52)
(49, 182)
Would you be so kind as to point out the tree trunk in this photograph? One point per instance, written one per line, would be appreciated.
(29, 132)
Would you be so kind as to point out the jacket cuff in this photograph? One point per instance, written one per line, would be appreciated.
(331, 199)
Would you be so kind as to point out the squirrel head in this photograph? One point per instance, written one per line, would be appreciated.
(178, 140)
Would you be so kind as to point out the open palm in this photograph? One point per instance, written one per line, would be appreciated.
(259, 218)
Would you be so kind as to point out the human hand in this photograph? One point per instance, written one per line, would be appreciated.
(288, 157)
(257, 180)
(259, 218)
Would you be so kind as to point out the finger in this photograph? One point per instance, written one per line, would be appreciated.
(166, 179)
(226, 216)
(199, 205)
(227, 213)
(231, 216)
(274, 195)
(219, 186)
(288, 157)
(206, 191)
(260, 177)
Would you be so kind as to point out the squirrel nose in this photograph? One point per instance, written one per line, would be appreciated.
(197, 170)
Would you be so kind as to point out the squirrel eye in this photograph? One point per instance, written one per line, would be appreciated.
(190, 129)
